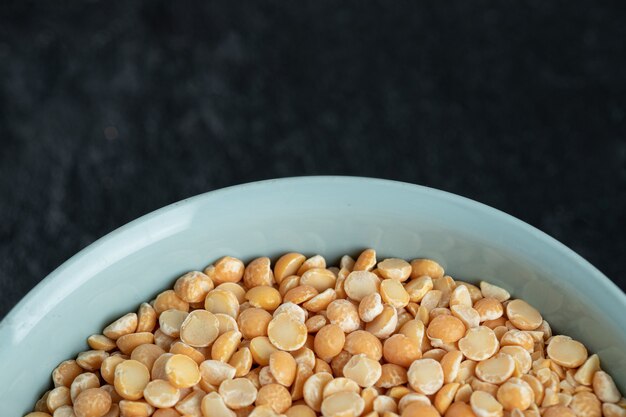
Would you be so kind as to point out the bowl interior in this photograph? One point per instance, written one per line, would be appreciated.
(326, 215)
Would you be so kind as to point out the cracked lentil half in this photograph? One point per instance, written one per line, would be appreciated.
(302, 339)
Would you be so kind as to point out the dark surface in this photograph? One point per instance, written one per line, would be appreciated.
(109, 110)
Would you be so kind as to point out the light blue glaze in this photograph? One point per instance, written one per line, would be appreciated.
(326, 215)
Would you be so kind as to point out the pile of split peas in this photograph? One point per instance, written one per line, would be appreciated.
(302, 339)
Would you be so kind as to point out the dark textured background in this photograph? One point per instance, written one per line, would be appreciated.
(109, 110)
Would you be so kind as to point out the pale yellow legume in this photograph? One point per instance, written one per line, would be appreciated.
(384, 339)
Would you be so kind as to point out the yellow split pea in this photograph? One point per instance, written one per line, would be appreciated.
(300, 338)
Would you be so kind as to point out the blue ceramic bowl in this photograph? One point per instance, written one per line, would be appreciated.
(326, 215)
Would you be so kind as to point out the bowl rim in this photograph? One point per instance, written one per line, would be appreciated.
(38, 293)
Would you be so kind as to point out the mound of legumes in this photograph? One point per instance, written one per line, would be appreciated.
(301, 339)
